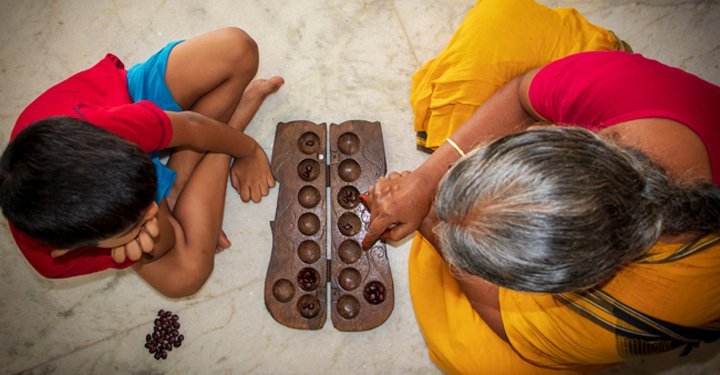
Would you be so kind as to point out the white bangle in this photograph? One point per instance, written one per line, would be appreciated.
(455, 146)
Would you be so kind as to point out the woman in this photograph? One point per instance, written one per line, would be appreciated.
(609, 218)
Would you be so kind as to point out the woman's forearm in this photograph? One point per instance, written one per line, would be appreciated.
(502, 114)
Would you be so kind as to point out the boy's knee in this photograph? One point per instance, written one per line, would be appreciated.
(241, 49)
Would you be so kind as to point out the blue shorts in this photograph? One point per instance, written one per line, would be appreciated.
(146, 81)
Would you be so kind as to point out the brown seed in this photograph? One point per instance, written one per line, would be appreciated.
(308, 306)
(308, 142)
(374, 292)
(349, 224)
(308, 279)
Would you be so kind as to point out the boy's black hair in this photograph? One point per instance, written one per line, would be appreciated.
(68, 183)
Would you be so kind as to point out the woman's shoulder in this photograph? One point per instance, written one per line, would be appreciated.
(671, 144)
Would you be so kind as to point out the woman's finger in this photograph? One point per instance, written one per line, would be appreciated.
(375, 228)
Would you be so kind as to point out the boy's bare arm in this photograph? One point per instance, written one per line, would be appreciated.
(176, 270)
(191, 129)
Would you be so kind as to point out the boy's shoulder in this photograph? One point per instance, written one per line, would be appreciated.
(77, 262)
(105, 83)
(99, 95)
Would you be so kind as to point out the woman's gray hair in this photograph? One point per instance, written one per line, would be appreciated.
(561, 209)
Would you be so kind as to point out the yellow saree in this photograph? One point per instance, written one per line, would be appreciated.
(498, 40)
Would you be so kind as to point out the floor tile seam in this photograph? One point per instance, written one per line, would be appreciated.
(407, 37)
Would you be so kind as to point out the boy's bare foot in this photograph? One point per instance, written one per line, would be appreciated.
(254, 95)
(260, 88)
(223, 242)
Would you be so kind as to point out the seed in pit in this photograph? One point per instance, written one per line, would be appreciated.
(309, 142)
(349, 224)
(348, 197)
(308, 306)
(308, 169)
(308, 279)
(374, 292)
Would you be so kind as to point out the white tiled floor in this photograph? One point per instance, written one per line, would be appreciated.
(341, 60)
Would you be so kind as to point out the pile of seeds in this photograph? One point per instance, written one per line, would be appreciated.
(165, 335)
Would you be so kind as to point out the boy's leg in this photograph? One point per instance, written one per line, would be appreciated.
(214, 91)
(210, 74)
(197, 221)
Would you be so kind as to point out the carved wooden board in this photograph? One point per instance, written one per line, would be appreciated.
(303, 263)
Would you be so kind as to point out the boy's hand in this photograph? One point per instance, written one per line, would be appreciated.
(251, 176)
(144, 242)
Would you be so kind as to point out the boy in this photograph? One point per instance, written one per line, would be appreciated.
(80, 191)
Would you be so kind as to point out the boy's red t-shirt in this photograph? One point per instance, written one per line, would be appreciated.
(100, 96)
(596, 90)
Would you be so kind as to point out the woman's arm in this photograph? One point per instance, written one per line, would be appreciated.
(403, 203)
(482, 295)
(202, 133)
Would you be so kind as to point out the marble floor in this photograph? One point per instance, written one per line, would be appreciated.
(341, 60)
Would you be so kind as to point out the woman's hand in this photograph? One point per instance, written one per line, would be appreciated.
(143, 243)
(251, 176)
(398, 204)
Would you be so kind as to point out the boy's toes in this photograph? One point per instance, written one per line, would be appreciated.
(223, 242)
(261, 88)
(276, 82)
